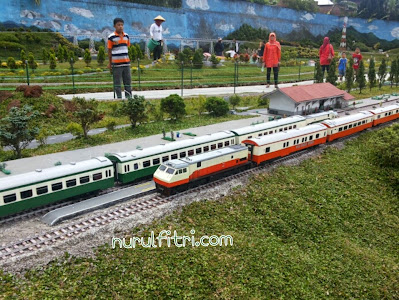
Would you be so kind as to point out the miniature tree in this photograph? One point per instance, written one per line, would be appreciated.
(101, 55)
(65, 52)
(234, 100)
(133, 53)
(361, 79)
(332, 73)
(31, 62)
(349, 76)
(393, 71)
(60, 53)
(135, 108)
(215, 60)
(16, 130)
(382, 72)
(87, 57)
(371, 74)
(71, 57)
(397, 72)
(197, 59)
(11, 64)
(217, 106)
(174, 105)
(45, 56)
(23, 58)
(140, 53)
(53, 62)
(86, 113)
(319, 73)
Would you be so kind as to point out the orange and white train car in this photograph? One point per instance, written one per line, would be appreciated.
(385, 114)
(348, 125)
(180, 174)
(265, 148)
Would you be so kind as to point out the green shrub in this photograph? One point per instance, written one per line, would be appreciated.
(110, 125)
(234, 100)
(174, 105)
(216, 106)
(11, 64)
(75, 129)
(263, 101)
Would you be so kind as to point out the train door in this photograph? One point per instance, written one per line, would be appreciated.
(250, 151)
(115, 170)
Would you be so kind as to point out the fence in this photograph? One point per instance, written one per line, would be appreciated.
(165, 75)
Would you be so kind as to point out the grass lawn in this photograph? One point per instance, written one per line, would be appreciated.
(325, 229)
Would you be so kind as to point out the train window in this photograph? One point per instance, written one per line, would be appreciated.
(170, 171)
(72, 182)
(311, 138)
(260, 134)
(165, 158)
(155, 161)
(271, 132)
(294, 142)
(294, 126)
(317, 136)
(182, 154)
(84, 179)
(386, 114)
(136, 166)
(9, 198)
(162, 168)
(226, 143)
(42, 190)
(284, 145)
(184, 170)
(180, 171)
(232, 156)
(290, 127)
(242, 159)
(26, 194)
(147, 163)
(125, 169)
(173, 156)
(288, 143)
(285, 128)
(350, 126)
(358, 124)
(250, 136)
(281, 129)
(340, 129)
(206, 148)
(346, 127)
(379, 116)
(198, 164)
(198, 150)
(97, 176)
(56, 186)
(220, 145)
(213, 147)
(232, 141)
(267, 150)
(397, 110)
(303, 139)
(190, 152)
(363, 122)
(265, 133)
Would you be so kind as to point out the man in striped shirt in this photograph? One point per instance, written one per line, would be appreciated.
(118, 55)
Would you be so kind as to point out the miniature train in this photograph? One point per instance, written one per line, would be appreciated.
(41, 187)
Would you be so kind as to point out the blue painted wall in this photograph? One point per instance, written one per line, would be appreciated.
(196, 19)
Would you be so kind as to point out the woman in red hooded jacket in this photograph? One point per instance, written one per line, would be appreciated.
(272, 57)
(326, 54)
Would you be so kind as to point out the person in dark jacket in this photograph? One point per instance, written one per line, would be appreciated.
(219, 47)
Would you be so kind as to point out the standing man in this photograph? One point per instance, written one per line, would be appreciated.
(156, 34)
(219, 47)
(118, 55)
(357, 57)
(236, 46)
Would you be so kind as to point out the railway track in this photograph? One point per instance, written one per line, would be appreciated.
(48, 238)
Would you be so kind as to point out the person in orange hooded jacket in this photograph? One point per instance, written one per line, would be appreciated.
(326, 54)
(272, 57)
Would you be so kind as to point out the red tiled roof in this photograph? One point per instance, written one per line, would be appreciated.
(315, 91)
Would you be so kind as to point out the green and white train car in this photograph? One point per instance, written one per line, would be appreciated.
(42, 187)
(141, 163)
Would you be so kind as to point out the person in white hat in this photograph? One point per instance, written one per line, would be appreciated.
(156, 34)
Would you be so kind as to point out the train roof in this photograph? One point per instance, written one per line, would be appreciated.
(285, 135)
(323, 113)
(162, 148)
(384, 109)
(184, 162)
(347, 119)
(53, 173)
(268, 125)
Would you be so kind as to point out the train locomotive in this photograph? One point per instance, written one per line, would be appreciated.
(41, 187)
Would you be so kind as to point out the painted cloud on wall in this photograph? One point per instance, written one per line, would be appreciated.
(395, 32)
(82, 12)
(372, 27)
(195, 4)
(251, 10)
(307, 17)
(224, 27)
(30, 14)
(60, 17)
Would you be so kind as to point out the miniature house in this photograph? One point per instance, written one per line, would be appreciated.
(307, 99)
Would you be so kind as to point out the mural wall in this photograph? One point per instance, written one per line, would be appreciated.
(196, 18)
